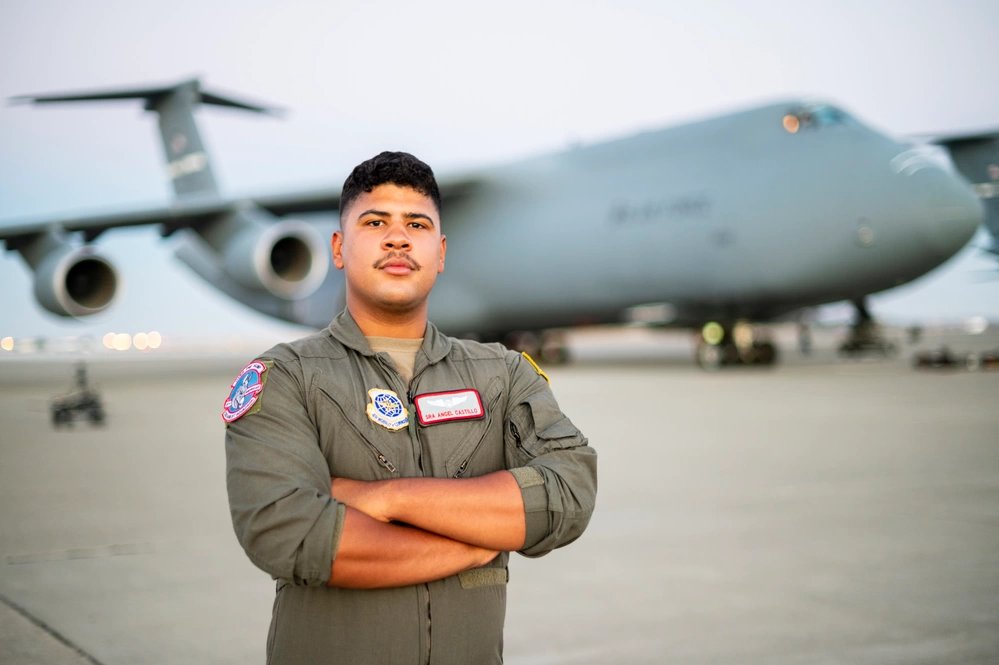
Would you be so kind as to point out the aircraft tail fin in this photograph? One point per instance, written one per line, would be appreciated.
(976, 156)
(188, 165)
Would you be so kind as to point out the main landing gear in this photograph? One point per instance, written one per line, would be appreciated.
(721, 345)
(548, 346)
(865, 335)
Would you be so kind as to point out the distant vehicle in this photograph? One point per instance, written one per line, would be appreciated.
(989, 359)
(741, 218)
(83, 402)
(944, 358)
(939, 358)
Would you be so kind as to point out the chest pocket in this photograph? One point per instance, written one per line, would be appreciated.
(353, 445)
(468, 447)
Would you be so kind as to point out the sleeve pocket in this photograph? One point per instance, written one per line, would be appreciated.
(537, 426)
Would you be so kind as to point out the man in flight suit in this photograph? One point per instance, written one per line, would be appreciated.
(381, 471)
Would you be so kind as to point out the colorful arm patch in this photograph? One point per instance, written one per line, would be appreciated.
(244, 391)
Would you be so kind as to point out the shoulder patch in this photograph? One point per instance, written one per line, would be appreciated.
(537, 369)
(245, 391)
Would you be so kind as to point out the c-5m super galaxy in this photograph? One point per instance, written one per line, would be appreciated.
(745, 217)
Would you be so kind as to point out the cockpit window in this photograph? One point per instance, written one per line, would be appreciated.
(813, 116)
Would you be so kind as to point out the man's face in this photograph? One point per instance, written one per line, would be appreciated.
(391, 249)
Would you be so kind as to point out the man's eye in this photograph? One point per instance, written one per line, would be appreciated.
(373, 222)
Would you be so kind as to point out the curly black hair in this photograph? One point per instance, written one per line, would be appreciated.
(397, 168)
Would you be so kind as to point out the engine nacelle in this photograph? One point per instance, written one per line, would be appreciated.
(69, 281)
(286, 258)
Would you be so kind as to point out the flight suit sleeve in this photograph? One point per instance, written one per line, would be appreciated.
(551, 460)
(279, 482)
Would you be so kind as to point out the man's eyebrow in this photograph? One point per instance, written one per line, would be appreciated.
(418, 215)
(372, 211)
(407, 215)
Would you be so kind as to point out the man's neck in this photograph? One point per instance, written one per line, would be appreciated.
(409, 325)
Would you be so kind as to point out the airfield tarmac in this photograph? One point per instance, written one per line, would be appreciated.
(822, 512)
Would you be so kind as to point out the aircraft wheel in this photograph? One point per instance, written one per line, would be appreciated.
(61, 418)
(765, 353)
(710, 356)
(553, 349)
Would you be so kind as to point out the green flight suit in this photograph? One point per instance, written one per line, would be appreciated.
(310, 422)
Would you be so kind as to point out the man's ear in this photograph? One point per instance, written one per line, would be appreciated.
(440, 267)
(336, 244)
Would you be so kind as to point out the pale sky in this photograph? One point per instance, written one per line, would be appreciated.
(457, 83)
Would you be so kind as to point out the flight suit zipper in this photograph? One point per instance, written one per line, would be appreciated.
(414, 435)
(460, 471)
(417, 444)
(379, 455)
(515, 433)
(491, 394)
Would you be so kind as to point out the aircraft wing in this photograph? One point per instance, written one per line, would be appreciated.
(250, 248)
(190, 212)
(317, 200)
(182, 214)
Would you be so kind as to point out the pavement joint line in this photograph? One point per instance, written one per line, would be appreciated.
(49, 630)
(99, 552)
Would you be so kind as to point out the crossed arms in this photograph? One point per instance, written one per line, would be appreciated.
(411, 530)
(402, 531)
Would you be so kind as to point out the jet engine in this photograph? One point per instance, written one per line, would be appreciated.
(69, 281)
(286, 259)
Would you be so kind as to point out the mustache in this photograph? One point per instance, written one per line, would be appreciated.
(397, 256)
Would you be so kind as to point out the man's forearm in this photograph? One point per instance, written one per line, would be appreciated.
(487, 511)
(373, 554)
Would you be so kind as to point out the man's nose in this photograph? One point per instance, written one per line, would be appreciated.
(396, 239)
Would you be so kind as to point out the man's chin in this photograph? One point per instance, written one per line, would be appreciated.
(401, 306)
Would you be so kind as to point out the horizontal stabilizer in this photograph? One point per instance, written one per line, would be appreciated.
(152, 95)
(188, 165)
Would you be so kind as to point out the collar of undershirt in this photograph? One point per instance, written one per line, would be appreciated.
(390, 344)
(402, 351)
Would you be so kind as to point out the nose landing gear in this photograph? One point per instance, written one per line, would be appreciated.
(865, 335)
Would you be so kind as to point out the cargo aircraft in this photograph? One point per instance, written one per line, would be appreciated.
(742, 218)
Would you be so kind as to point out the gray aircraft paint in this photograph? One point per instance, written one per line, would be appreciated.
(727, 218)
(977, 157)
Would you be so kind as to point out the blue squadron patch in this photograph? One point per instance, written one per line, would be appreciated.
(387, 410)
(244, 391)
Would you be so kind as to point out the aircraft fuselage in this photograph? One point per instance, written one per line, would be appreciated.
(729, 218)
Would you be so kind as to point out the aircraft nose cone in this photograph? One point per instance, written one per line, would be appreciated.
(954, 214)
(945, 211)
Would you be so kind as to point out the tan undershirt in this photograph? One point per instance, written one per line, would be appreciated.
(401, 350)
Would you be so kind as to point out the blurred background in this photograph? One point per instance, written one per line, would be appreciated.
(459, 84)
(831, 511)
